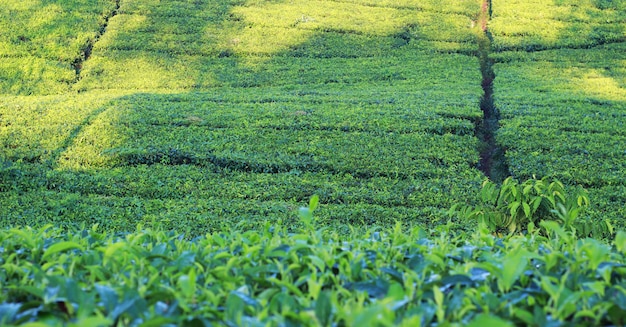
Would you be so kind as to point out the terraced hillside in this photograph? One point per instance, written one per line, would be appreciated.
(560, 88)
(43, 43)
(206, 114)
(203, 115)
(157, 159)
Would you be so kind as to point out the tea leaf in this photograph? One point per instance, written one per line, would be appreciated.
(620, 241)
(488, 320)
(110, 250)
(513, 266)
(323, 309)
(91, 322)
(8, 311)
(108, 297)
(313, 203)
(187, 283)
(375, 288)
(157, 322)
(247, 299)
(234, 308)
(463, 280)
(60, 247)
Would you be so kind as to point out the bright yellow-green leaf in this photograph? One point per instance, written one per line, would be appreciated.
(485, 320)
(60, 247)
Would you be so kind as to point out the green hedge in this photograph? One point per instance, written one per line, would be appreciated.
(41, 41)
(539, 25)
(182, 119)
(399, 277)
(562, 108)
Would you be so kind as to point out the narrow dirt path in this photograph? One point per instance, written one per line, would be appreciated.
(86, 51)
(492, 157)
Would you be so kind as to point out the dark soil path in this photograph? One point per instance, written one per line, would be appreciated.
(492, 157)
(86, 51)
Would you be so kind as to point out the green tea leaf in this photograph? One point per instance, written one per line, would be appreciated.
(527, 211)
(514, 206)
(323, 309)
(512, 267)
(452, 280)
(91, 322)
(394, 274)
(371, 316)
(485, 320)
(110, 250)
(157, 322)
(524, 316)
(396, 292)
(438, 295)
(130, 305)
(187, 283)
(234, 308)
(314, 202)
(375, 288)
(60, 247)
(247, 299)
(108, 297)
(8, 311)
(620, 241)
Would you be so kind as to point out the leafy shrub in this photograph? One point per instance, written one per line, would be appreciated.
(316, 277)
(513, 207)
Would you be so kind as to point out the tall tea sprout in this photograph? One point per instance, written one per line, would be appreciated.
(306, 213)
(515, 207)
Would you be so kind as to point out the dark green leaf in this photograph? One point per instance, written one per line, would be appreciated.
(479, 274)
(234, 308)
(323, 308)
(195, 322)
(8, 311)
(396, 275)
(375, 288)
(108, 297)
(184, 260)
(452, 280)
(246, 299)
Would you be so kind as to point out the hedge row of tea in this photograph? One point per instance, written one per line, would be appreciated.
(564, 108)
(387, 277)
(42, 42)
(205, 44)
(199, 115)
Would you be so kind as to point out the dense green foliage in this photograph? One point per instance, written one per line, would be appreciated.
(519, 207)
(195, 115)
(534, 25)
(563, 109)
(41, 42)
(386, 277)
(207, 123)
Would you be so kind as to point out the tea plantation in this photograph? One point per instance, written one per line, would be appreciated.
(560, 91)
(197, 115)
(312, 163)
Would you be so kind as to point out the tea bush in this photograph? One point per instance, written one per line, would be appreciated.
(313, 277)
(562, 108)
(195, 115)
(518, 207)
